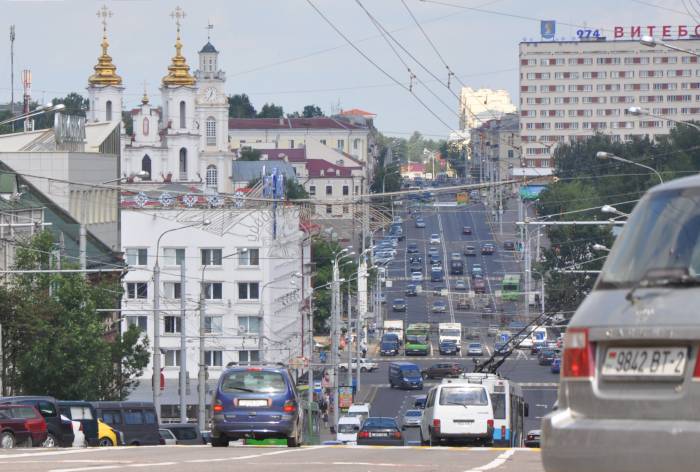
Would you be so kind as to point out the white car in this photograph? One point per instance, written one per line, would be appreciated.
(434, 238)
(365, 365)
(348, 427)
(416, 276)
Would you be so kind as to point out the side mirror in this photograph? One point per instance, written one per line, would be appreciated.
(527, 410)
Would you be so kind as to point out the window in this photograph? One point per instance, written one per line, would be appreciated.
(133, 417)
(145, 126)
(137, 256)
(213, 358)
(141, 322)
(146, 166)
(211, 257)
(251, 257)
(183, 164)
(607, 88)
(109, 110)
(172, 290)
(112, 417)
(213, 324)
(633, 87)
(171, 324)
(172, 359)
(323, 141)
(528, 88)
(212, 177)
(213, 290)
(607, 60)
(173, 256)
(346, 190)
(636, 60)
(291, 144)
(249, 356)
(211, 131)
(356, 144)
(249, 324)
(137, 290)
(346, 209)
(329, 209)
(183, 115)
(340, 144)
(357, 189)
(329, 190)
(312, 190)
(248, 290)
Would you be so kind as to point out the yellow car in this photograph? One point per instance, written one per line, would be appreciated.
(107, 436)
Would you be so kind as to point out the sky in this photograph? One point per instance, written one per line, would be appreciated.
(282, 51)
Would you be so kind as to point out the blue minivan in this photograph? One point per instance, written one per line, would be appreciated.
(405, 375)
(256, 403)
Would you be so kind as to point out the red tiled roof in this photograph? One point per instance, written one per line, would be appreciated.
(320, 122)
(414, 167)
(357, 112)
(315, 166)
(293, 155)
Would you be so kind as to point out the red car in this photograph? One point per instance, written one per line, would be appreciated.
(21, 425)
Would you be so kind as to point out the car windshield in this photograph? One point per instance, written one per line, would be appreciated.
(416, 338)
(253, 381)
(466, 396)
(414, 413)
(413, 372)
(379, 423)
(475, 345)
(663, 232)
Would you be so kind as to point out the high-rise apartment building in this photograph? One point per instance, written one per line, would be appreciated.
(570, 90)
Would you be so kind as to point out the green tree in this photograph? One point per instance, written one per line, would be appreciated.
(76, 104)
(239, 106)
(270, 110)
(128, 123)
(322, 255)
(311, 111)
(250, 154)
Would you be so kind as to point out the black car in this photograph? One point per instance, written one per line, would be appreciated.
(389, 348)
(399, 304)
(411, 290)
(415, 267)
(546, 356)
(509, 245)
(415, 258)
(380, 431)
(467, 230)
(412, 248)
(448, 348)
(442, 370)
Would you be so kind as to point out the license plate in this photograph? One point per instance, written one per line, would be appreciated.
(380, 435)
(253, 403)
(656, 362)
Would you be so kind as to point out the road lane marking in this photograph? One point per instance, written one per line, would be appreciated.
(251, 456)
(497, 462)
(54, 453)
(118, 466)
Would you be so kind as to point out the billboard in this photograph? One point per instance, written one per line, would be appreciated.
(548, 29)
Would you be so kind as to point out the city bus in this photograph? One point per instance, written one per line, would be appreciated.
(509, 408)
(417, 339)
(510, 288)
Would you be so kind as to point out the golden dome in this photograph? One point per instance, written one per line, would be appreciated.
(178, 70)
(105, 70)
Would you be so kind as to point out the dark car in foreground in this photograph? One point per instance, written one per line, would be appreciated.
(448, 348)
(258, 403)
(533, 438)
(389, 348)
(59, 433)
(21, 425)
(380, 431)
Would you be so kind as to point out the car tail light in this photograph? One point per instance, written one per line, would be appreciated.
(696, 371)
(363, 434)
(217, 407)
(436, 426)
(577, 360)
(489, 423)
(290, 406)
(503, 432)
(397, 434)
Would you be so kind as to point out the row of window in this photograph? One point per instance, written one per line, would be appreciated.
(212, 324)
(329, 209)
(329, 190)
(614, 99)
(630, 60)
(599, 112)
(247, 291)
(610, 87)
(211, 358)
(136, 256)
(339, 144)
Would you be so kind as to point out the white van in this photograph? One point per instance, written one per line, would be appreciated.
(359, 410)
(457, 409)
(348, 427)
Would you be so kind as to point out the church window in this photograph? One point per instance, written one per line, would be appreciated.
(183, 164)
(145, 126)
(183, 116)
(212, 176)
(146, 166)
(211, 131)
(109, 110)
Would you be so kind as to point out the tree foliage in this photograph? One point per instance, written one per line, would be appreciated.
(54, 339)
(249, 154)
(322, 255)
(270, 110)
(239, 106)
(311, 111)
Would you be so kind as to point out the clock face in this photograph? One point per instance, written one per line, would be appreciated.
(210, 94)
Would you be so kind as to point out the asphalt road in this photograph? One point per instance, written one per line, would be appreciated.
(539, 384)
(271, 459)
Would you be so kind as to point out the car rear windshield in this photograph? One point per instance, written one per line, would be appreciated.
(347, 428)
(466, 396)
(413, 413)
(379, 423)
(21, 412)
(663, 232)
(253, 381)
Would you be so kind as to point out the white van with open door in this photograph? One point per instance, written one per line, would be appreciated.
(458, 410)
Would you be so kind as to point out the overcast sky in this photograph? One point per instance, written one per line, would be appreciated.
(282, 51)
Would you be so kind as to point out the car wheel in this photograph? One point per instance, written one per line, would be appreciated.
(221, 441)
(50, 441)
(293, 441)
(7, 440)
(105, 442)
(423, 441)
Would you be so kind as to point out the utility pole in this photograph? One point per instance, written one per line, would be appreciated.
(527, 273)
(183, 346)
(156, 336)
(349, 343)
(311, 360)
(335, 306)
(201, 376)
(12, 80)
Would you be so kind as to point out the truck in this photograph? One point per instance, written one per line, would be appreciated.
(417, 341)
(456, 267)
(394, 326)
(450, 332)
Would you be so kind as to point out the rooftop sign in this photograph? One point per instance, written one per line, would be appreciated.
(657, 31)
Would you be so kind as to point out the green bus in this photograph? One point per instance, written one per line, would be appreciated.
(510, 288)
(417, 339)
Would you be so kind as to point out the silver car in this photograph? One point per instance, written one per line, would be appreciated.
(629, 383)
(412, 418)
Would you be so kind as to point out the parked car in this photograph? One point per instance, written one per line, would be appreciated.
(79, 439)
(469, 251)
(533, 438)
(108, 436)
(167, 438)
(467, 230)
(412, 418)
(442, 370)
(21, 425)
(399, 304)
(439, 306)
(59, 433)
(475, 349)
(137, 421)
(256, 400)
(434, 238)
(185, 433)
(380, 431)
(448, 348)
(546, 356)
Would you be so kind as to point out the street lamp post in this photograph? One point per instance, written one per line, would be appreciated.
(156, 321)
(652, 42)
(638, 111)
(602, 155)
